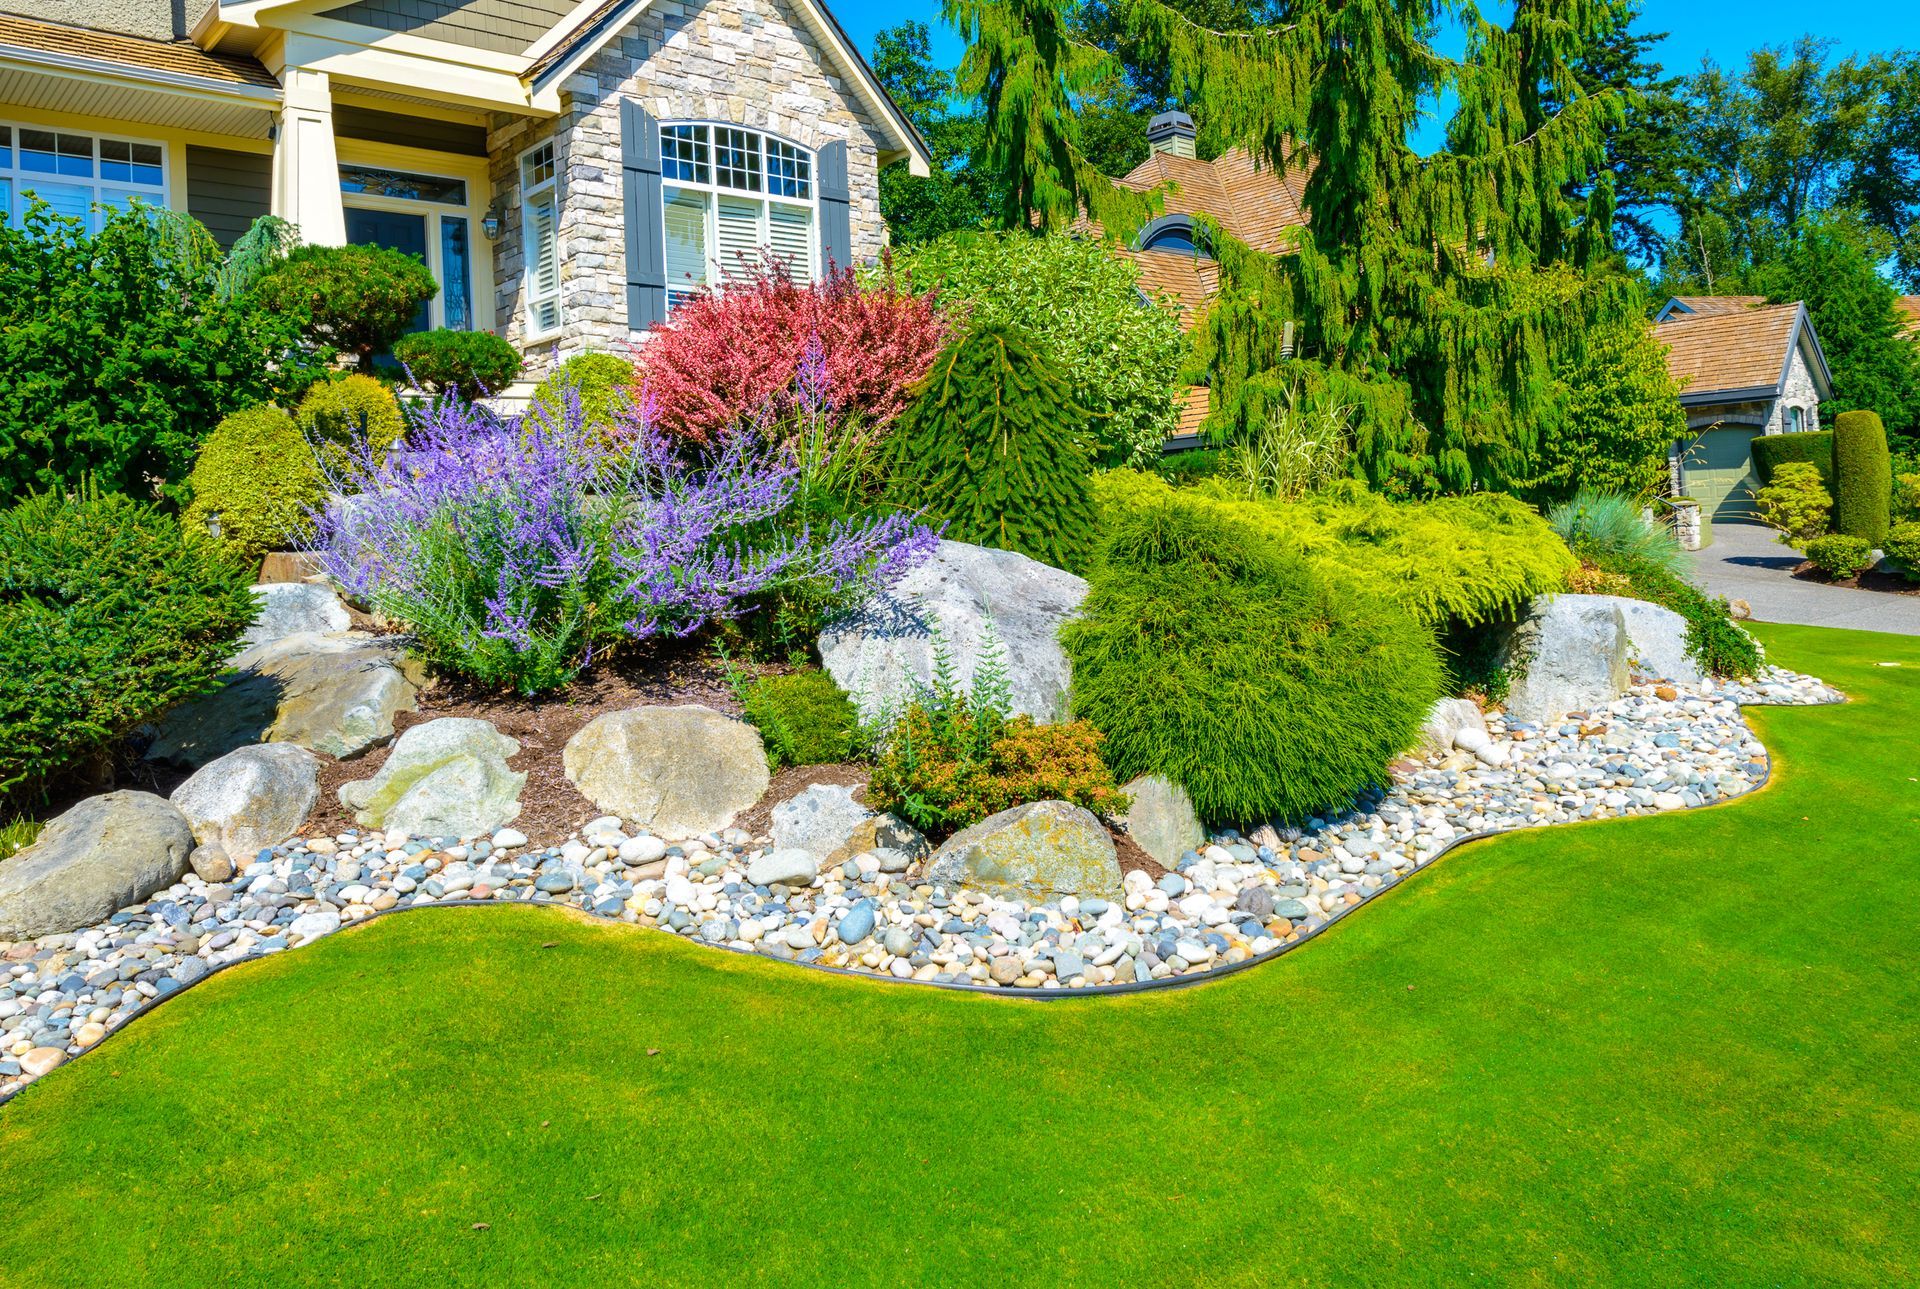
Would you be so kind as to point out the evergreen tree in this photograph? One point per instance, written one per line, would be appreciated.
(991, 449)
(952, 196)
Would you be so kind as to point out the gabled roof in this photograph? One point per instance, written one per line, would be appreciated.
(1257, 204)
(1708, 305)
(1741, 356)
(161, 61)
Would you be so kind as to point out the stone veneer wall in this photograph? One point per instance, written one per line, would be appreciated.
(1799, 392)
(748, 62)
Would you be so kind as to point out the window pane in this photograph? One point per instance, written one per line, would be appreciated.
(686, 233)
(789, 171)
(6, 147)
(537, 166)
(456, 274)
(112, 199)
(130, 163)
(66, 199)
(790, 237)
(6, 202)
(400, 183)
(736, 158)
(739, 241)
(683, 153)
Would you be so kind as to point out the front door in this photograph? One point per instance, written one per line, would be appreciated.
(1719, 473)
(397, 231)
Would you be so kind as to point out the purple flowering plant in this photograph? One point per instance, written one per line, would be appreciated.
(517, 549)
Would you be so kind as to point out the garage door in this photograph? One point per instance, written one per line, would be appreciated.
(1719, 473)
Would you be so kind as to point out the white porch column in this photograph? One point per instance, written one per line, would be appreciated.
(306, 166)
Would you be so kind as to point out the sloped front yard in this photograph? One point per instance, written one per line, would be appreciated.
(1670, 1050)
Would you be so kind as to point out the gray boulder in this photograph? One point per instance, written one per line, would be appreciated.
(818, 820)
(296, 608)
(92, 861)
(1451, 720)
(444, 778)
(893, 839)
(1161, 819)
(1569, 653)
(336, 694)
(682, 770)
(1658, 642)
(251, 798)
(1036, 852)
(972, 596)
(790, 867)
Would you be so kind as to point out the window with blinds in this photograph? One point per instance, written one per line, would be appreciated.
(732, 197)
(540, 207)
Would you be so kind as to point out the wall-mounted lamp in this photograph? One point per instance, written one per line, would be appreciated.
(490, 222)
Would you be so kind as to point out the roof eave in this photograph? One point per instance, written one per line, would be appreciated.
(83, 67)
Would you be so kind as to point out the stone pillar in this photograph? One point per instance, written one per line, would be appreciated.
(306, 166)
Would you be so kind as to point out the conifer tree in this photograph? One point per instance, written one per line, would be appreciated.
(991, 448)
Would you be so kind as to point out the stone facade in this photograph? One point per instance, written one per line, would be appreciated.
(745, 62)
(1798, 391)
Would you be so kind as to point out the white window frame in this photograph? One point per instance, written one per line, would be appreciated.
(434, 211)
(20, 181)
(718, 272)
(547, 189)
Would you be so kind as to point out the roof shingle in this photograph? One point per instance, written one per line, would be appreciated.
(176, 58)
(1725, 352)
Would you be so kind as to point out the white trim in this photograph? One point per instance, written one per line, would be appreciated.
(717, 270)
(80, 67)
(20, 181)
(560, 30)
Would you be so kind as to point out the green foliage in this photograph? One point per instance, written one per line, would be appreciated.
(1795, 503)
(258, 475)
(803, 718)
(1903, 544)
(1469, 559)
(17, 834)
(1300, 446)
(991, 449)
(470, 364)
(110, 614)
(1621, 411)
(1771, 451)
(1192, 464)
(1839, 555)
(1598, 522)
(942, 776)
(953, 195)
(338, 414)
(1714, 640)
(120, 350)
(1208, 654)
(1081, 306)
(352, 299)
(601, 383)
(1863, 477)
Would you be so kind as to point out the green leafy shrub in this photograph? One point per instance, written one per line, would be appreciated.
(1470, 559)
(337, 416)
(1795, 503)
(1081, 305)
(258, 480)
(943, 775)
(1620, 411)
(1300, 445)
(1714, 640)
(120, 350)
(110, 613)
(1839, 555)
(1815, 447)
(472, 364)
(351, 299)
(599, 381)
(1209, 654)
(1863, 477)
(1598, 521)
(1903, 544)
(991, 449)
(1191, 465)
(1906, 497)
(803, 718)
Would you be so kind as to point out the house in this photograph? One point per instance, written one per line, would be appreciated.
(568, 169)
(1745, 368)
(1909, 309)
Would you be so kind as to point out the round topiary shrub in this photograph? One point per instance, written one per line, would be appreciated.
(600, 381)
(1862, 477)
(1208, 654)
(992, 450)
(352, 299)
(1903, 544)
(255, 484)
(338, 416)
(1839, 555)
(468, 364)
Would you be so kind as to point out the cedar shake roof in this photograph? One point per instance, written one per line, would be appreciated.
(1195, 403)
(1178, 277)
(1742, 352)
(173, 58)
(1705, 306)
(1908, 307)
(1257, 204)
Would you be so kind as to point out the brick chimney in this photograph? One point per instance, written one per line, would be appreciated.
(1171, 132)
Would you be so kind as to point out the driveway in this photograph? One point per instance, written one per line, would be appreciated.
(1745, 563)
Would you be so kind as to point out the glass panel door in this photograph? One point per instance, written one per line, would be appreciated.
(397, 231)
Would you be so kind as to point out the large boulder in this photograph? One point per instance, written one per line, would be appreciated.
(1161, 819)
(1037, 852)
(251, 798)
(295, 608)
(819, 819)
(444, 778)
(683, 770)
(336, 694)
(1658, 642)
(1451, 723)
(1568, 654)
(972, 596)
(91, 862)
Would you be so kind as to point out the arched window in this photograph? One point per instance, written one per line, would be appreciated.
(1796, 420)
(727, 192)
(1173, 234)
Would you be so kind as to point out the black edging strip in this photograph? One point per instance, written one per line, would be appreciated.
(1184, 981)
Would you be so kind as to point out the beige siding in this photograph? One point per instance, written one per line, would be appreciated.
(502, 26)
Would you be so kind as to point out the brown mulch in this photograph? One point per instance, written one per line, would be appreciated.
(1872, 580)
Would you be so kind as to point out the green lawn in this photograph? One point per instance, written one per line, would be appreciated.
(1682, 1050)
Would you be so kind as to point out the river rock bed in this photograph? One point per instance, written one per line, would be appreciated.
(1659, 747)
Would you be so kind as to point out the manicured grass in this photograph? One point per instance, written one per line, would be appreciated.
(1682, 1050)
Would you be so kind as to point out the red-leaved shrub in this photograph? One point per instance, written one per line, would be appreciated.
(726, 357)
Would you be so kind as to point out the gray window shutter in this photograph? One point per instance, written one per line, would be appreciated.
(836, 221)
(640, 192)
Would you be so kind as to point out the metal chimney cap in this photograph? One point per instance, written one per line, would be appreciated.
(1174, 122)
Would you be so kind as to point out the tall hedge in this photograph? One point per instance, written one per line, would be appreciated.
(1863, 477)
(992, 449)
(1771, 451)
